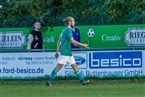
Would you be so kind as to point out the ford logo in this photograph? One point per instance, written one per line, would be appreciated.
(79, 60)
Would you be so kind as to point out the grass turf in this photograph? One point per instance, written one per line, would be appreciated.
(72, 88)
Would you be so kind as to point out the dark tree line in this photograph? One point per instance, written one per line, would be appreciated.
(22, 13)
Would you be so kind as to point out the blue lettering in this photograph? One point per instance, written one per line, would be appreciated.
(115, 59)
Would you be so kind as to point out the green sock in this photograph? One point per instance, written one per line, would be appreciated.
(79, 75)
(53, 74)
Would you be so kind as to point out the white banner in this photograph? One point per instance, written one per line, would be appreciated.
(135, 37)
(99, 63)
(12, 39)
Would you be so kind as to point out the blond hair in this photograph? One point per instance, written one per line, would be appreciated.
(68, 20)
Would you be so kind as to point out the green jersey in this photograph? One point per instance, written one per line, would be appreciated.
(65, 37)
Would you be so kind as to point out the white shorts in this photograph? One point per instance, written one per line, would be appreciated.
(66, 59)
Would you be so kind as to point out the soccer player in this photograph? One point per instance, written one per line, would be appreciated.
(35, 39)
(64, 44)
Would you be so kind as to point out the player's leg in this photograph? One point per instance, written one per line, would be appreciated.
(53, 74)
(61, 60)
(77, 72)
(55, 70)
(79, 75)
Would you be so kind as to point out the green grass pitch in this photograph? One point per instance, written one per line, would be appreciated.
(72, 88)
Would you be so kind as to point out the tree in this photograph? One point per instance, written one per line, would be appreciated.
(124, 11)
(22, 13)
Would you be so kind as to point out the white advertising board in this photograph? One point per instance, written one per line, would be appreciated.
(92, 63)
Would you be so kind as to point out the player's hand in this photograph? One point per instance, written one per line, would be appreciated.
(56, 55)
(85, 45)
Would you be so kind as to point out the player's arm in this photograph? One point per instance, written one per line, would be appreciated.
(58, 48)
(58, 45)
(30, 40)
(78, 43)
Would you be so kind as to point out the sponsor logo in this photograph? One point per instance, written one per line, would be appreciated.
(12, 39)
(51, 39)
(110, 38)
(115, 59)
(79, 60)
(135, 37)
